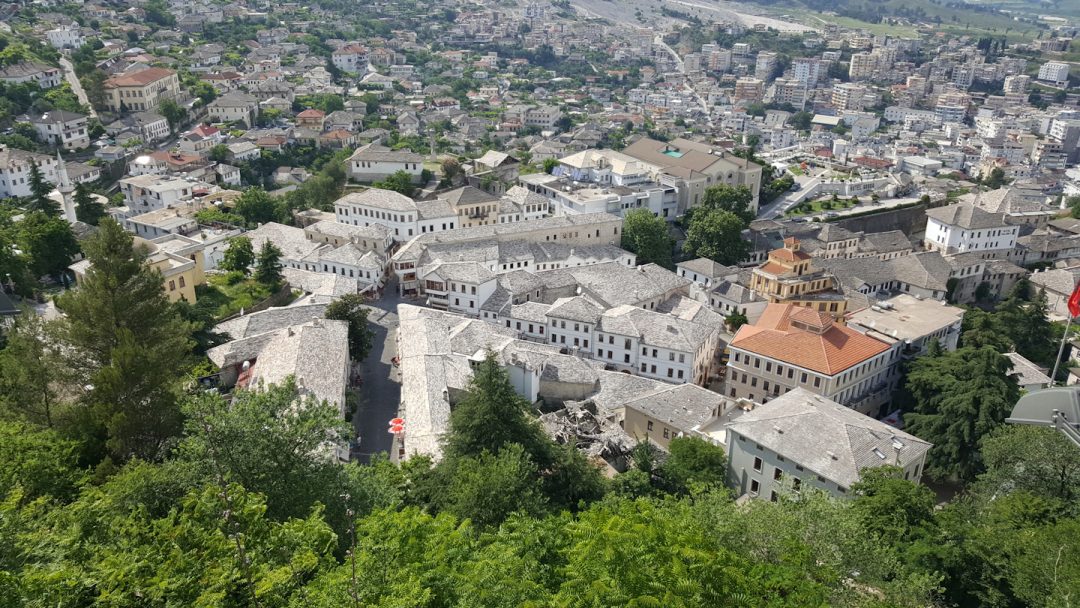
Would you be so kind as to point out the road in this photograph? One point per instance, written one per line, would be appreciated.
(380, 395)
(779, 206)
(76, 86)
(659, 41)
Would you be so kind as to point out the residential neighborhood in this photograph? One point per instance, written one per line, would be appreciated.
(633, 264)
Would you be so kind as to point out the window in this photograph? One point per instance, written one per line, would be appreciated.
(803, 381)
(181, 282)
(670, 373)
(777, 474)
(757, 464)
(666, 433)
(172, 285)
(796, 483)
(754, 486)
(772, 496)
(649, 425)
(817, 382)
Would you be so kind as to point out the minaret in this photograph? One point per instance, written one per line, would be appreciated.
(65, 189)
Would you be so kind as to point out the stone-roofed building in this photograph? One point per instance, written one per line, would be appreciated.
(801, 439)
(792, 347)
(662, 415)
(293, 243)
(315, 353)
(966, 227)
(1059, 284)
(1029, 377)
(373, 162)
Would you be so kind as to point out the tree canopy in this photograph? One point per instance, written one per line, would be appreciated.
(647, 236)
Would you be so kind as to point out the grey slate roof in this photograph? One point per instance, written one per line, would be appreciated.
(967, 216)
(825, 437)
(271, 319)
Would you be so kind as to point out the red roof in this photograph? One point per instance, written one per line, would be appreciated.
(833, 350)
(311, 113)
(140, 78)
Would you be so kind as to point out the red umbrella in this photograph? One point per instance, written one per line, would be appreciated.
(397, 421)
(397, 429)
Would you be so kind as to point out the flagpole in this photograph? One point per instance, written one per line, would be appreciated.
(1061, 349)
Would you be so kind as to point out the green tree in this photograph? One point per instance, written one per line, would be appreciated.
(647, 236)
(1073, 203)
(40, 189)
(173, 113)
(1040, 461)
(48, 243)
(400, 182)
(219, 153)
(32, 373)
(736, 199)
(717, 235)
(127, 345)
(487, 488)
(39, 461)
(801, 120)
(87, 209)
(350, 307)
(694, 461)
(268, 265)
(890, 506)
(549, 165)
(256, 206)
(960, 397)
(995, 179)
(239, 256)
(273, 441)
(736, 320)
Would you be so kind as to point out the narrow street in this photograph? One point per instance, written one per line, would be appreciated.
(76, 86)
(380, 394)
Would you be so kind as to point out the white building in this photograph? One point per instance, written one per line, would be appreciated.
(401, 214)
(1055, 72)
(804, 440)
(351, 58)
(374, 162)
(965, 227)
(65, 37)
(15, 171)
(144, 193)
(63, 129)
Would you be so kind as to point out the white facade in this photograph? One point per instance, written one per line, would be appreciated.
(15, 171)
(65, 37)
(65, 129)
(940, 235)
(149, 192)
(1056, 72)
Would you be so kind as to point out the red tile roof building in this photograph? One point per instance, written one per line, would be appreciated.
(793, 346)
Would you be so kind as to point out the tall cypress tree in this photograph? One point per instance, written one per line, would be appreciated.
(40, 188)
(87, 208)
(128, 344)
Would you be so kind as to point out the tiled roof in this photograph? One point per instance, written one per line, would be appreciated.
(827, 438)
(830, 352)
(140, 78)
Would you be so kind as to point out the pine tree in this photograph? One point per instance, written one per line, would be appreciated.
(960, 397)
(40, 189)
(87, 208)
(127, 343)
(268, 265)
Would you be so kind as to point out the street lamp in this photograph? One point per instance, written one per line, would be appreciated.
(1058, 408)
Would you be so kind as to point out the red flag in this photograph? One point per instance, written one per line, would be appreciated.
(1074, 302)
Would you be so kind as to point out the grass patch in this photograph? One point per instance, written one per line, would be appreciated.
(228, 298)
(821, 205)
(952, 195)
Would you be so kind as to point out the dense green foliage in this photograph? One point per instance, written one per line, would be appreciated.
(350, 307)
(647, 236)
(714, 229)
